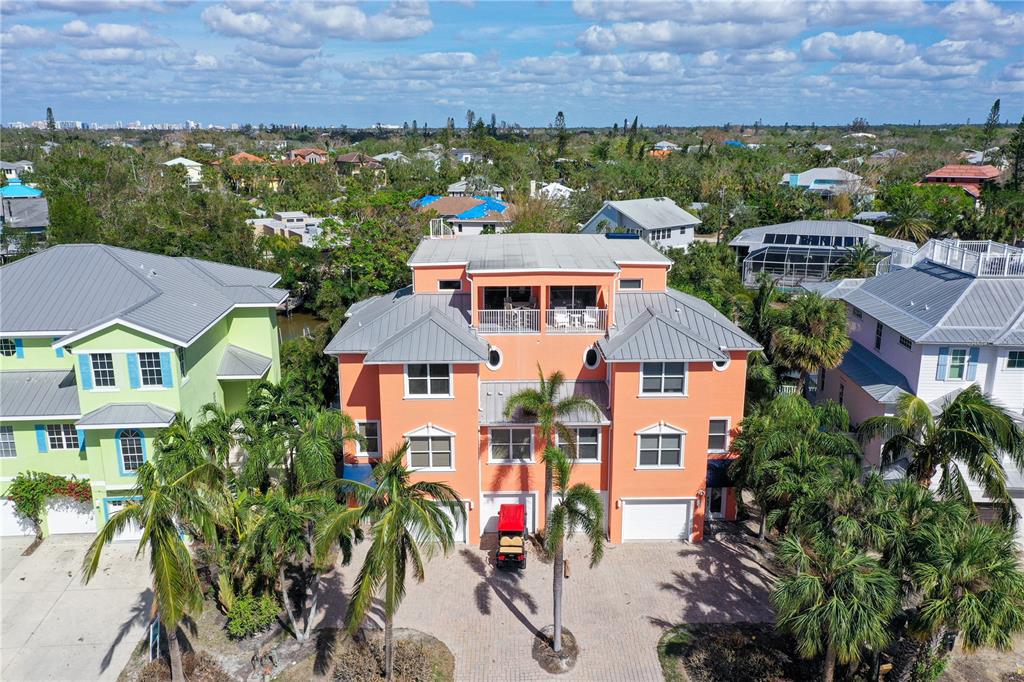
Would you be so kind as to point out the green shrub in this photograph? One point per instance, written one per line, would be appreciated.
(251, 615)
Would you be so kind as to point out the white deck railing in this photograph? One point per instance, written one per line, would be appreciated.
(439, 229)
(515, 321)
(981, 259)
(577, 320)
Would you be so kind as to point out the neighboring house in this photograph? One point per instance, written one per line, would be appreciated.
(13, 170)
(978, 158)
(15, 189)
(885, 156)
(871, 217)
(193, 169)
(828, 182)
(475, 187)
(308, 155)
(969, 178)
(468, 215)
(242, 158)
(553, 191)
(396, 157)
(101, 346)
(806, 250)
(657, 220)
(951, 316)
(434, 366)
(666, 146)
(23, 225)
(860, 136)
(358, 163)
(821, 147)
(467, 156)
(735, 143)
(291, 224)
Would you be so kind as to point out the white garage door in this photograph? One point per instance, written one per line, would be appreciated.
(65, 516)
(13, 523)
(490, 503)
(657, 519)
(133, 531)
(460, 532)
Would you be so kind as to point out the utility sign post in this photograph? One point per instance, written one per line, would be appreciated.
(154, 639)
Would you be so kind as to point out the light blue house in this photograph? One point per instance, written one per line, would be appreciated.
(16, 189)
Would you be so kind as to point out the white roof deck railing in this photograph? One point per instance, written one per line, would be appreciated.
(439, 229)
(978, 258)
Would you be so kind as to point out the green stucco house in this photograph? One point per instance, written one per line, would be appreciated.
(101, 346)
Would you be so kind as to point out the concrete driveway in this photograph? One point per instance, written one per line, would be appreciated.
(56, 628)
(618, 610)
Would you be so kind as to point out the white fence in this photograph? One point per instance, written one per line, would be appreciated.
(577, 320)
(515, 321)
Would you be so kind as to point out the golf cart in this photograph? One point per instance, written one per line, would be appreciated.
(511, 553)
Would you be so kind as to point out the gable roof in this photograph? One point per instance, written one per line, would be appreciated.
(245, 157)
(72, 290)
(878, 379)
(814, 174)
(654, 336)
(360, 159)
(434, 337)
(654, 213)
(965, 172)
(182, 161)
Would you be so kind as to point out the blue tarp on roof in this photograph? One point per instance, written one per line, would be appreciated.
(15, 188)
(426, 200)
(735, 143)
(490, 204)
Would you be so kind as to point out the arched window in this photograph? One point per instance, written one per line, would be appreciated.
(131, 449)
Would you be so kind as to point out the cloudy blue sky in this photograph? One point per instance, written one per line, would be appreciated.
(684, 62)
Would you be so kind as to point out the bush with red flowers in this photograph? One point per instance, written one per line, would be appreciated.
(30, 490)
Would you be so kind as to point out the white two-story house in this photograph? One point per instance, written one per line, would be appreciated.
(949, 316)
(658, 220)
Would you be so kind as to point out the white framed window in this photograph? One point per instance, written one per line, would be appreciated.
(906, 343)
(370, 431)
(430, 452)
(449, 285)
(957, 368)
(149, 369)
(7, 446)
(1015, 359)
(428, 380)
(591, 358)
(631, 284)
(7, 348)
(511, 445)
(661, 233)
(718, 434)
(102, 370)
(588, 444)
(721, 365)
(494, 358)
(660, 447)
(62, 436)
(131, 450)
(663, 378)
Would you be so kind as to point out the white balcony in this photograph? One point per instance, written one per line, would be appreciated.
(513, 321)
(591, 320)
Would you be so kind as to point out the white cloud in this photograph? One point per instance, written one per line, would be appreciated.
(863, 46)
(596, 40)
(962, 51)
(695, 38)
(101, 6)
(916, 68)
(111, 55)
(23, 36)
(279, 56)
(980, 19)
(1013, 72)
(82, 34)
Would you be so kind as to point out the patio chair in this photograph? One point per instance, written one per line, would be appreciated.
(590, 317)
(562, 318)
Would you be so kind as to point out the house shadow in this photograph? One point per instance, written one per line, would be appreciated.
(141, 613)
(505, 586)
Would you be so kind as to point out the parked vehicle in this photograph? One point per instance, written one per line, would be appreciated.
(511, 552)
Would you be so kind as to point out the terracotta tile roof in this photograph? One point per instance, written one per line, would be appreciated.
(360, 159)
(245, 157)
(306, 151)
(965, 172)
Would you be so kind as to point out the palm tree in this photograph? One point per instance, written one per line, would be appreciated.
(836, 599)
(544, 404)
(407, 521)
(971, 431)
(858, 261)
(579, 509)
(908, 217)
(758, 316)
(169, 497)
(812, 335)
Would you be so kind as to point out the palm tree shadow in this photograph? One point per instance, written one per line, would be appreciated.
(503, 585)
(141, 611)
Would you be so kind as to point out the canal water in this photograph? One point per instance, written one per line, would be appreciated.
(298, 324)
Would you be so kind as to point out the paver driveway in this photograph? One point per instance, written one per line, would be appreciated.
(56, 628)
(617, 610)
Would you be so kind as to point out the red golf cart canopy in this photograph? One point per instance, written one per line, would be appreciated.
(512, 518)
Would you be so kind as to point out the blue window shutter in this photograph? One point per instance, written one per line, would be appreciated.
(940, 368)
(117, 448)
(85, 370)
(81, 440)
(142, 441)
(133, 370)
(19, 348)
(59, 350)
(41, 440)
(166, 372)
(972, 363)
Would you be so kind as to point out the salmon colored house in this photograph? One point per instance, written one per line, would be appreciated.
(435, 364)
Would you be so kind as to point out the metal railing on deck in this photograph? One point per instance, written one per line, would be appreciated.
(577, 320)
(514, 321)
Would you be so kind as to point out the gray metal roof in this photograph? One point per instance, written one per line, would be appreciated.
(240, 363)
(494, 396)
(654, 213)
(38, 393)
(73, 289)
(879, 379)
(832, 173)
(653, 336)
(434, 337)
(25, 212)
(754, 236)
(931, 303)
(536, 252)
(116, 415)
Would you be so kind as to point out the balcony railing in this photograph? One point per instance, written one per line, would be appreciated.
(515, 321)
(577, 320)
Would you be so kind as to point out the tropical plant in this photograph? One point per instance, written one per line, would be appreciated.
(579, 509)
(251, 615)
(548, 406)
(971, 431)
(835, 599)
(170, 494)
(30, 491)
(408, 521)
(812, 335)
(908, 217)
(758, 317)
(859, 261)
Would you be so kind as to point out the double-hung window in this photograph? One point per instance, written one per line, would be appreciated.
(588, 444)
(957, 363)
(7, 445)
(661, 450)
(430, 452)
(102, 370)
(428, 380)
(131, 449)
(370, 431)
(62, 436)
(663, 378)
(150, 370)
(511, 445)
(718, 435)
